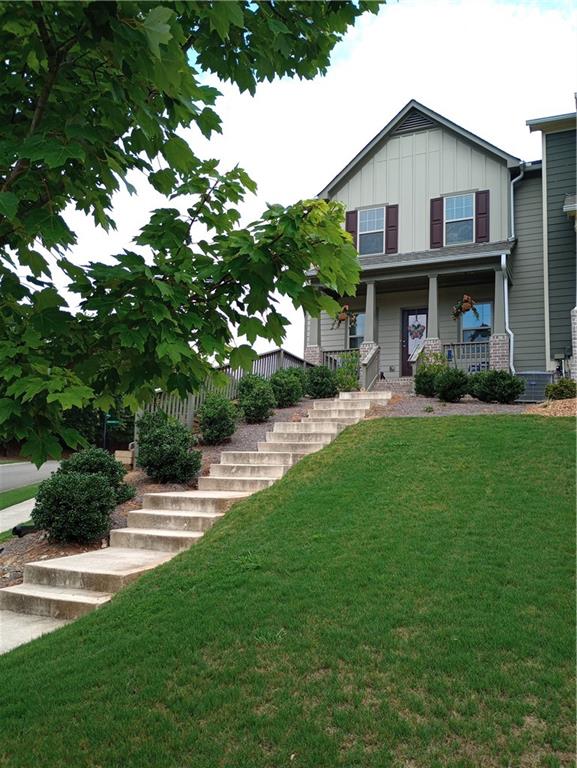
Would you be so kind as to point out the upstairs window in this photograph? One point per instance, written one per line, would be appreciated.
(357, 331)
(478, 329)
(459, 219)
(371, 231)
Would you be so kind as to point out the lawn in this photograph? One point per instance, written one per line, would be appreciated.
(402, 598)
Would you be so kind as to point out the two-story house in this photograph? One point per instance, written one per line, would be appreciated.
(437, 213)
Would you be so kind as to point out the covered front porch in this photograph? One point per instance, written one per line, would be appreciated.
(394, 317)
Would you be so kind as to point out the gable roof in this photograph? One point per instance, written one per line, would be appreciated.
(414, 116)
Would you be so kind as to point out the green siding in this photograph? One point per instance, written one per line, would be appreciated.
(526, 296)
(560, 164)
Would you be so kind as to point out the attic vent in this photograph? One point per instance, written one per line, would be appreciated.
(414, 121)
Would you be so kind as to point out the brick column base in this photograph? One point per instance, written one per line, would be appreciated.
(433, 346)
(499, 352)
(313, 355)
(573, 361)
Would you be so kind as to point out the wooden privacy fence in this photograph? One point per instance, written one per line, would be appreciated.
(185, 409)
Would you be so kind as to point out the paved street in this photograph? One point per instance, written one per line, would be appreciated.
(24, 473)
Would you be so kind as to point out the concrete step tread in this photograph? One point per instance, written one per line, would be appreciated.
(185, 514)
(47, 592)
(160, 533)
(112, 560)
(201, 494)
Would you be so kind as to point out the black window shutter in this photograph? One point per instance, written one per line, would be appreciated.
(392, 229)
(437, 222)
(482, 216)
(351, 225)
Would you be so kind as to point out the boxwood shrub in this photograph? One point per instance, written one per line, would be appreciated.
(217, 419)
(496, 386)
(96, 461)
(451, 385)
(321, 382)
(73, 506)
(258, 401)
(429, 367)
(564, 389)
(166, 453)
(287, 388)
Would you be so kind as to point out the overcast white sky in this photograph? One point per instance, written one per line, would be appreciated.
(488, 66)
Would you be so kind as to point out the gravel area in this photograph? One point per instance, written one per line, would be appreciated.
(416, 405)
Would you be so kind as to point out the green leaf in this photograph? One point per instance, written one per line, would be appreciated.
(7, 408)
(156, 29)
(8, 205)
(163, 181)
(243, 357)
(40, 447)
(73, 396)
(179, 155)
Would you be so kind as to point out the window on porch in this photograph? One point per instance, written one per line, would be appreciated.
(478, 329)
(357, 331)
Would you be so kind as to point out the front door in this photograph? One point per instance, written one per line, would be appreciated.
(414, 330)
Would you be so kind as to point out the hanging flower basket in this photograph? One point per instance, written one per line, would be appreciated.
(342, 316)
(464, 305)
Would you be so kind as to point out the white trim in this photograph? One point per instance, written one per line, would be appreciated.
(468, 218)
(549, 364)
(382, 208)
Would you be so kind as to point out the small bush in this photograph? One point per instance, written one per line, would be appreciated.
(321, 382)
(73, 506)
(150, 421)
(96, 461)
(348, 373)
(287, 388)
(217, 419)
(430, 366)
(247, 384)
(451, 385)
(564, 389)
(496, 386)
(300, 374)
(258, 402)
(167, 456)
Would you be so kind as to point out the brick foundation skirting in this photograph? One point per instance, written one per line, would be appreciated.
(313, 355)
(499, 352)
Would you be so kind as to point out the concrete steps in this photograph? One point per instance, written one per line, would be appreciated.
(56, 591)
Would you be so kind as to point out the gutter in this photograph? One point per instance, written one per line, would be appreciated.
(512, 200)
(507, 328)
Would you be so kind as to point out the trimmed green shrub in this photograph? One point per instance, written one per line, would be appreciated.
(150, 421)
(451, 385)
(321, 382)
(166, 454)
(246, 385)
(496, 386)
(348, 372)
(564, 389)
(300, 374)
(217, 419)
(287, 388)
(73, 506)
(96, 461)
(258, 402)
(430, 366)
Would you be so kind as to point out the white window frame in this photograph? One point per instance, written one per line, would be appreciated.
(445, 221)
(382, 208)
(356, 335)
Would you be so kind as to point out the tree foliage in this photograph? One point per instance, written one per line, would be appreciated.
(90, 92)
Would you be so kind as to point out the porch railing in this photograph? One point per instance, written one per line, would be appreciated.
(369, 372)
(184, 409)
(468, 356)
(333, 359)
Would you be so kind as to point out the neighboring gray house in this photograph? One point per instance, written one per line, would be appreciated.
(436, 213)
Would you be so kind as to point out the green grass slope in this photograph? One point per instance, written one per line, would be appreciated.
(404, 598)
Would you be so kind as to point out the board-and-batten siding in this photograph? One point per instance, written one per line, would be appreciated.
(560, 154)
(411, 169)
(526, 297)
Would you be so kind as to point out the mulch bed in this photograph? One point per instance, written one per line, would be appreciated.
(555, 408)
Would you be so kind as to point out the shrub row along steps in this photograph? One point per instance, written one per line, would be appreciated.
(68, 587)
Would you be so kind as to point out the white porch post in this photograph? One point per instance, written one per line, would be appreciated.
(433, 342)
(370, 314)
(499, 341)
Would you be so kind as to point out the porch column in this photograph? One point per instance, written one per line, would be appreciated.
(313, 350)
(499, 341)
(432, 343)
(370, 314)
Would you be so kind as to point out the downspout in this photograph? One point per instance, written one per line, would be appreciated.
(506, 297)
(504, 270)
